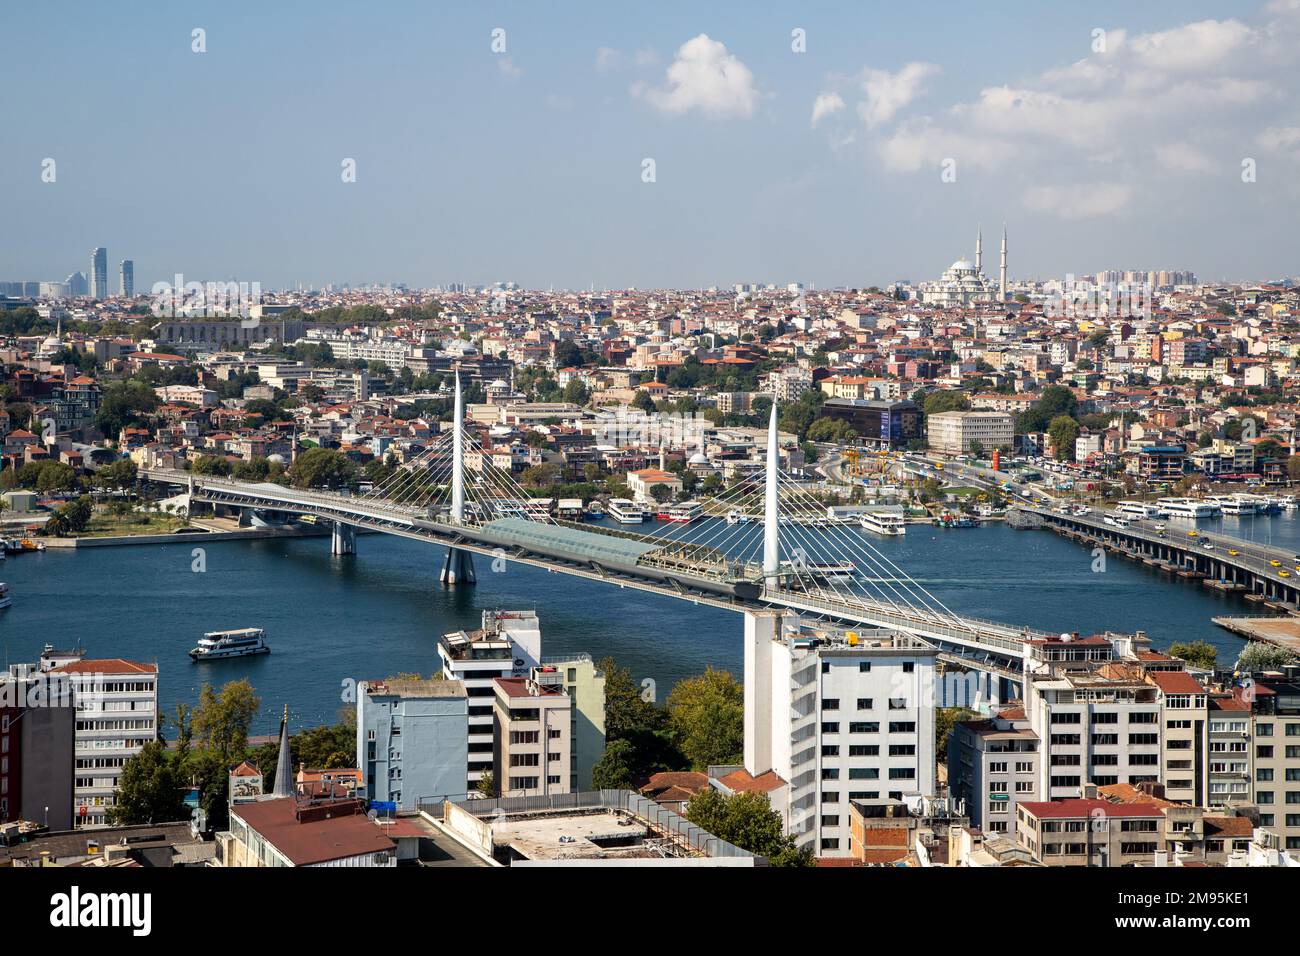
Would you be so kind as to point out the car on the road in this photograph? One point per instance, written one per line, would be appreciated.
(1234, 552)
(1276, 563)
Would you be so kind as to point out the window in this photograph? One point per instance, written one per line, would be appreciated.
(864, 667)
(908, 667)
(865, 703)
(902, 773)
(864, 750)
(830, 821)
(1065, 718)
(864, 773)
(830, 750)
(830, 727)
(830, 773)
(867, 727)
(830, 843)
(831, 703)
(902, 727)
(902, 750)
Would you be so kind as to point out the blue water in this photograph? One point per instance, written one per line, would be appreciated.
(380, 612)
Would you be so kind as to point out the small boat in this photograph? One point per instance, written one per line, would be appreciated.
(23, 545)
(595, 510)
(737, 517)
(5, 600)
(950, 520)
(237, 643)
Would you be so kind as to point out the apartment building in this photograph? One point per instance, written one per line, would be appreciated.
(117, 714)
(1089, 831)
(531, 718)
(993, 766)
(584, 683)
(841, 715)
(507, 645)
(37, 726)
(1098, 716)
(1274, 748)
(957, 433)
(412, 739)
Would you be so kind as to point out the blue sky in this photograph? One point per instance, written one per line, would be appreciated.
(475, 166)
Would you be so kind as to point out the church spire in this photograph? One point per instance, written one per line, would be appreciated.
(284, 764)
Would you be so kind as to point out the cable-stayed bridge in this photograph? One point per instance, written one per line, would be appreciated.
(760, 544)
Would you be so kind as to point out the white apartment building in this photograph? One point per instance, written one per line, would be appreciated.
(509, 644)
(117, 714)
(956, 433)
(841, 716)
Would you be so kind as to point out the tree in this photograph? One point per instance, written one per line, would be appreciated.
(1197, 653)
(221, 720)
(945, 400)
(631, 715)
(119, 474)
(1258, 656)
(486, 786)
(149, 790)
(1055, 400)
(707, 717)
(832, 430)
(1063, 430)
(322, 468)
(945, 719)
(614, 769)
(122, 404)
(748, 821)
(661, 493)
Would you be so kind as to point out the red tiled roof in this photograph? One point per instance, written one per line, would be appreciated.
(741, 781)
(347, 833)
(108, 666)
(1176, 682)
(1082, 807)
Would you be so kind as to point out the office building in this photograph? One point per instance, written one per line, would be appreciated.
(993, 765)
(99, 273)
(960, 433)
(126, 278)
(411, 740)
(37, 726)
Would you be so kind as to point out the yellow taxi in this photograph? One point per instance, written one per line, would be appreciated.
(1234, 552)
(1284, 573)
(1276, 564)
(1193, 534)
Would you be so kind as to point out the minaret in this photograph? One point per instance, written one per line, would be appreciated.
(979, 250)
(1002, 269)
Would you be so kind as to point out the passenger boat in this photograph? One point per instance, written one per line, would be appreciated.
(683, 513)
(23, 545)
(883, 522)
(5, 600)
(737, 517)
(238, 643)
(1187, 508)
(625, 511)
(595, 510)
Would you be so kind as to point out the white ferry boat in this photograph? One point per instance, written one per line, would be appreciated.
(625, 511)
(683, 513)
(5, 600)
(883, 522)
(238, 643)
(1187, 508)
(1240, 504)
(1139, 509)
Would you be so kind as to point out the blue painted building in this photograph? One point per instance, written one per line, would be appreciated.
(412, 740)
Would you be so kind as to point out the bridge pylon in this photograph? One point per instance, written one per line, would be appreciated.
(343, 539)
(459, 566)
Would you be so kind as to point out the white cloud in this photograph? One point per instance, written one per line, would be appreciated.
(1078, 201)
(1184, 158)
(507, 67)
(885, 93)
(704, 77)
(1194, 46)
(921, 144)
(825, 105)
(607, 58)
(1279, 138)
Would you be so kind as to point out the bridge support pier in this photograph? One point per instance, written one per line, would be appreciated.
(458, 568)
(343, 539)
(761, 629)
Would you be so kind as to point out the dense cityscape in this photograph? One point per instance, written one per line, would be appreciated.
(994, 565)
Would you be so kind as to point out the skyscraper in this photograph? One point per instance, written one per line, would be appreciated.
(126, 274)
(99, 273)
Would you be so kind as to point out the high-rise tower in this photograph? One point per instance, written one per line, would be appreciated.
(99, 273)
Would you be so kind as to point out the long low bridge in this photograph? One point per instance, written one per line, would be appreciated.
(828, 572)
(1259, 572)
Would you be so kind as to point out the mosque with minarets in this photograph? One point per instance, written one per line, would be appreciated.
(964, 283)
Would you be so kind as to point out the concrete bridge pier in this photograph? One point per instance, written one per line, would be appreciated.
(458, 568)
(343, 539)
